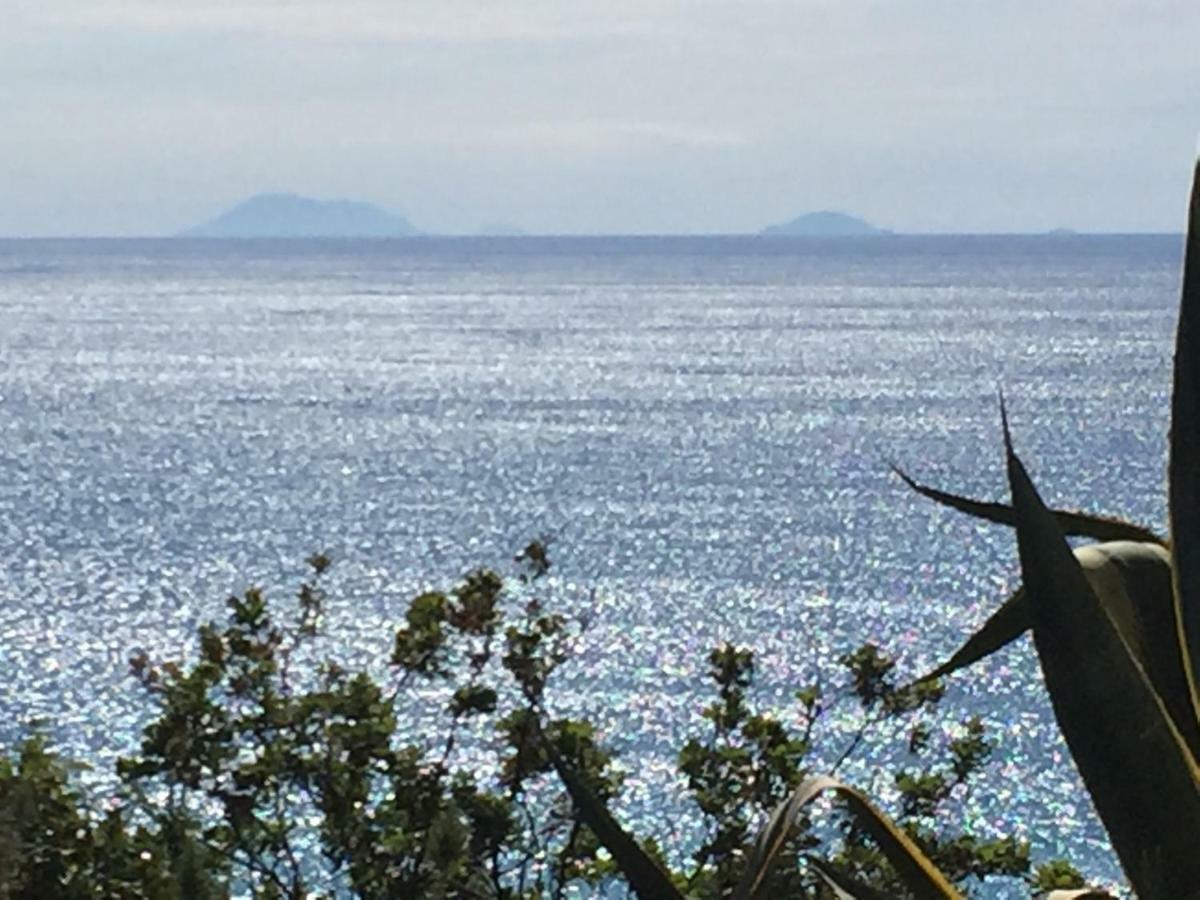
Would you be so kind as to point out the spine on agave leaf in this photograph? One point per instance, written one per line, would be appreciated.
(1183, 474)
(1143, 779)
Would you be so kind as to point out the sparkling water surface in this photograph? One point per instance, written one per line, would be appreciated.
(705, 424)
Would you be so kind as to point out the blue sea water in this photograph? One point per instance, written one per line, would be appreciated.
(705, 425)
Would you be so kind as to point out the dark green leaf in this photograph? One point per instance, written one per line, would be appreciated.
(1184, 468)
(645, 876)
(1072, 522)
(1138, 769)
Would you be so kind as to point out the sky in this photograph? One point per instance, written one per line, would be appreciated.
(143, 117)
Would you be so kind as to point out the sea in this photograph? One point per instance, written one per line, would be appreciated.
(702, 426)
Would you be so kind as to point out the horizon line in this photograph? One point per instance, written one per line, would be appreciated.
(585, 235)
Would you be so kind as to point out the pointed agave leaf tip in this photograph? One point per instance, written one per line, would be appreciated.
(1008, 446)
(911, 482)
(1072, 522)
(1003, 627)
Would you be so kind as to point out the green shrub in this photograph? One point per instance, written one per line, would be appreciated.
(255, 775)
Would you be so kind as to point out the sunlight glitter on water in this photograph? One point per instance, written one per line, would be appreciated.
(705, 425)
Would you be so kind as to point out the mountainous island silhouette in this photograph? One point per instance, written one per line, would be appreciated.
(825, 223)
(287, 215)
(295, 216)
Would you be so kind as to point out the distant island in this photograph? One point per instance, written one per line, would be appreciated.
(823, 224)
(294, 216)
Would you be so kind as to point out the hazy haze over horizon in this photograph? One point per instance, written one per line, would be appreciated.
(149, 116)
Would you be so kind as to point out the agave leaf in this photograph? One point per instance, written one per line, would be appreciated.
(1183, 475)
(1003, 627)
(1072, 522)
(645, 876)
(1133, 583)
(1140, 773)
(914, 868)
(842, 885)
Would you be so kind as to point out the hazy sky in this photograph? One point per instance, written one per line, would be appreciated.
(145, 116)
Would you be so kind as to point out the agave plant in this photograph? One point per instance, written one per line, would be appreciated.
(1116, 626)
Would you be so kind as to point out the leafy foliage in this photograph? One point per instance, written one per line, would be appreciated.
(258, 774)
(53, 843)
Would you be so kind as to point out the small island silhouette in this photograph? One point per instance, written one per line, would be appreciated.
(294, 216)
(825, 223)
